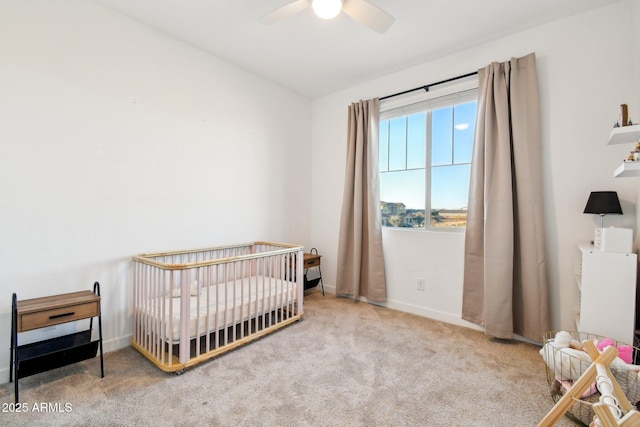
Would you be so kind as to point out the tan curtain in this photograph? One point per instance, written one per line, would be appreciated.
(505, 272)
(360, 258)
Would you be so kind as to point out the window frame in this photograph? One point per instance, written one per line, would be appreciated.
(462, 92)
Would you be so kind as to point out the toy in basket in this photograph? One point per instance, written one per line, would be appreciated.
(566, 360)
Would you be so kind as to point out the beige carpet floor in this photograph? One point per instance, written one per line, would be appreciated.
(345, 364)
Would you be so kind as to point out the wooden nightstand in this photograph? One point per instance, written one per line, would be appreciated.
(41, 356)
(312, 260)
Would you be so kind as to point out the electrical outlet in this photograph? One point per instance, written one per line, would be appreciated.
(421, 284)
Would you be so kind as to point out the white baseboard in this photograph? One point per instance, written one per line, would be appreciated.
(420, 311)
(116, 343)
(4, 375)
(435, 315)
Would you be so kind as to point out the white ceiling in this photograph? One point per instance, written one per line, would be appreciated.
(314, 57)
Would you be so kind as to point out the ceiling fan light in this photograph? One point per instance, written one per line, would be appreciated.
(326, 9)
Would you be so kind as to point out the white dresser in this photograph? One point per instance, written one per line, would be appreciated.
(607, 284)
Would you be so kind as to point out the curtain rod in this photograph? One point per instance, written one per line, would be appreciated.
(426, 87)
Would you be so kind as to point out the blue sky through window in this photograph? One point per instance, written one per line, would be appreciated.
(402, 154)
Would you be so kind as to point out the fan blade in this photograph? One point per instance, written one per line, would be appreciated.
(368, 14)
(285, 11)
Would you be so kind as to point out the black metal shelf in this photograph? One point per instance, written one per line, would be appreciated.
(55, 353)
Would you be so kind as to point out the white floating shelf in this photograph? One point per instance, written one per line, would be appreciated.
(627, 169)
(624, 134)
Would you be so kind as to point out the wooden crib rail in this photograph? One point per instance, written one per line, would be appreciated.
(150, 258)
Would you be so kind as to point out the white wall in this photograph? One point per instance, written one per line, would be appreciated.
(635, 101)
(117, 140)
(635, 41)
(586, 70)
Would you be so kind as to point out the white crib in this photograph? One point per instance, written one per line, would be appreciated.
(190, 306)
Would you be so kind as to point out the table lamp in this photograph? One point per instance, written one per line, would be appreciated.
(603, 203)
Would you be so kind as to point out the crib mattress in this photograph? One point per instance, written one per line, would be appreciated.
(217, 307)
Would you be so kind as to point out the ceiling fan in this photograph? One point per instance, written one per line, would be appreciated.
(361, 11)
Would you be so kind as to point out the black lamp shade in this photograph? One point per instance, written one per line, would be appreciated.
(603, 203)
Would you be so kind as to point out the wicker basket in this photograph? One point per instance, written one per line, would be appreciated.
(558, 368)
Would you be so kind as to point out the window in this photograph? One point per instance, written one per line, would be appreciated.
(425, 162)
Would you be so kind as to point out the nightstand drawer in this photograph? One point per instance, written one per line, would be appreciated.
(311, 261)
(46, 318)
(49, 311)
